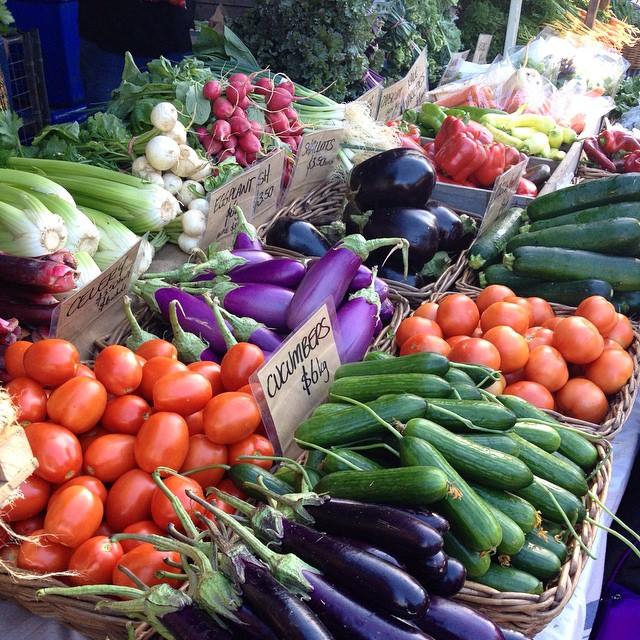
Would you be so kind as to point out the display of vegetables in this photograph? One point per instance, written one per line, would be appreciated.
(615, 150)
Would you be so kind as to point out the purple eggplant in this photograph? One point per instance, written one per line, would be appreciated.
(192, 623)
(363, 279)
(297, 235)
(386, 311)
(451, 582)
(374, 551)
(250, 626)
(428, 569)
(332, 274)
(219, 263)
(448, 620)
(283, 272)
(450, 226)
(378, 328)
(248, 330)
(190, 347)
(250, 257)
(210, 355)
(431, 518)
(245, 235)
(510, 634)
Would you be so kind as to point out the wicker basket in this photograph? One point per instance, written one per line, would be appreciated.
(585, 173)
(631, 52)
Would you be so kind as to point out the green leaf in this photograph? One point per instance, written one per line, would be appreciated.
(237, 50)
(10, 125)
(67, 131)
(208, 41)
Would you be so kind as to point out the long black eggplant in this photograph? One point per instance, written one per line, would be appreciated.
(431, 518)
(451, 582)
(192, 623)
(428, 569)
(297, 235)
(388, 272)
(450, 225)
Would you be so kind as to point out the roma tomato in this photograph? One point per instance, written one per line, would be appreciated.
(14, 358)
(163, 513)
(541, 310)
(33, 496)
(230, 417)
(51, 362)
(538, 336)
(580, 398)
(87, 438)
(153, 370)
(30, 399)
(492, 293)
(141, 361)
(476, 351)
(457, 315)
(427, 310)
(505, 314)
(93, 484)
(524, 303)
(599, 312)
(129, 499)
(424, 342)
(157, 347)
(611, 371)
(57, 450)
(94, 560)
(612, 344)
(511, 346)
(239, 363)
(146, 563)
(163, 441)
(84, 372)
(211, 371)
(143, 528)
(246, 389)
(195, 422)
(78, 404)
(552, 323)
(414, 326)
(43, 557)
(454, 340)
(532, 392)
(118, 370)
(578, 340)
(104, 530)
(73, 516)
(253, 445)
(622, 332)
(125, 414)
(202, 453)
(110, 456)
(515, 376)
(547, 367)
(29, 526)
(182, 392)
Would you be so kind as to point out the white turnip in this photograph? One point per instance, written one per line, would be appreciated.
(172, 183)
(200, 204)
(222, 108)
(189, 191)
(211, 90)
(164, 116)
(188, 162)
(178, 133)
(154, 177)
(221, 130)
(187, 243)
(239, 125)
(162, 152)
(141, 166)
(203, 172)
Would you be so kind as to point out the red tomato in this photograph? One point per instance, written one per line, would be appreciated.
(57, 450)
(515, 376)
(93, 484)
(582, 399)
(118, 370)
(87, 438)
(611, 371)
(424, 342)
(85, 372)
(454, 340)
(552, 323)
(246, 389)
(231, 417)
(541, 309)
(508, 314)
(492, 293)
(524, 303)
(129, 499)
(163, 441)
(145, 563)
(195, 422)
(163, 513)
(476, 351)
(182, 392)
(30, 399)
(153, 370)
(13, 358)
(32, 498)
(538, 336)
(143, 528)
(477, 332)
(211, 371)
(253, 445)
(51, 362)
(612, 344)
(110, 456)
(43, 556)
(532, 392)
(29, 526)
(511, 346)
(78, 404)
(414, 326)
(578, 340)
(157, 347)
(622, 332)
(104, 530)
(125, 414)
(140, 359)
(202, 453)
(73, 516)
(547, 367)
(457, 315)
(600, 312)
(239, 363)
(94, 560)
(427, 310)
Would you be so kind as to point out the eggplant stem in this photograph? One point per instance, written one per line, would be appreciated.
(286, 461)
(613, 516)
(171, 563)
(133, 577)
(226, 334)
(208, 467)
(242, 506)
(615, 534)
(169, 574)
(369, 410)
(328, 452)
(107, 590)
(177, 506)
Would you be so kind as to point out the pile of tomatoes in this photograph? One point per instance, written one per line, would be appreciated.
(569, 364)
(99, 434)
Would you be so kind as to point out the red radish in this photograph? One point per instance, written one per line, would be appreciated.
(296, 129)
(287, 85)
(235, 94)
(291, 113)
(241, 157)
(239, 125)
(268, 129)
(222, 108)
(244, 103)
(239, 78)
(278, 122)
(211, 90)
(238, 111)
(279, 99)
(214, 147)
(292, 142)
(221, 130)
(251, 158)
(263, 86)
(256, 127)
(202, 134)
(227, 153)
(249, 143)
(230, 143)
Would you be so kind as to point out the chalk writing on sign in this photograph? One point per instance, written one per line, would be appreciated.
(417, 82)
(269, 187)
(392, 101)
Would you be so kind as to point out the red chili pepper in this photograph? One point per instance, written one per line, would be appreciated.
(460, 156)
(493, 167)
(430, 149)
(526, 188)
(407, 142)
(612, 141)
(511, 157)
(595, 154)
(450, 127)
(632, 162)
(480, 133)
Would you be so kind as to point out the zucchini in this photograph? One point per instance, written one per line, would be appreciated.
(415, 363)
(409, 487)
(545, 466)
(465, 392)
(549, 263)
(619, 237)
(367, 388)
(335, 461)
(518, 509)
(510, 579)
(472, 461)
(456, 377)
(470, 518)
(498, 442)
(543, 436)
(537, 493)
(355, 423)
(512, 535)
(487, 415)
(619, 188)
(627, 302)
(329, 408)
(372, 356)
(594, 214)
(476, 564)
(489, 246)
(547, 541)
(245, 474)
(537, 561)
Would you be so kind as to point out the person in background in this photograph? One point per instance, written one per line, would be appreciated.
(145, 28)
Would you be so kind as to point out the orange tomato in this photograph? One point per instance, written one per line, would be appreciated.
(14, 358)
(51, 362)
(524, 303)
(532, 392)
(600, 312)
(78, 404)
(415, 325)
(118, 370)
(622, 332)
(505, 314)
(427, 310)
(30, 399)
(476, 351)
(424, 342)
(454, 340)
(230, 417)
(580, 398)
(57, 450)
(202, 453)
(612, 344)
(578, 340)
(163, 440)
(547, 367)
(537, 336)
(111, 456)
(611, 371)
(541, 310)
(153, 370)
(457, 315)
(157, 347)
(552, 323)
(493, 293)
(511, 346)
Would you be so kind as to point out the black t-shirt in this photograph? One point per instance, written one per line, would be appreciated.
(144, 28)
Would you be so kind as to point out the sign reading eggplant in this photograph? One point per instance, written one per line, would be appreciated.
(503, 191)
(372, 98)
(297, 377)
(269, 186)
(77, 312)
(417, 82)
(392, 101)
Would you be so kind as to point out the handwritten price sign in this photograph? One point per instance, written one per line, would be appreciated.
(392, 101)
(417, 82)
(372, 98)
(269, 187)
(503, 191)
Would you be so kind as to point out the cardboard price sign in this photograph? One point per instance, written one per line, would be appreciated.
(482, 48)
(417, 82)
(372, 98)
(392, 101)
(269, 187)
(77, 312)
(451, 71)
(297, 377)
(503, 191)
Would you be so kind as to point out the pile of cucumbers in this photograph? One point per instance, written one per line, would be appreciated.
(418, 430)
(568, 245)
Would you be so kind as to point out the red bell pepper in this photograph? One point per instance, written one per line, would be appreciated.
(612, 141)
(460, 156)
(480, 133)
(407, 142)
(493, 166)
(526, 188)
(511, 157)
(447, 180)
(450, 127)
(594, 152)
(632, 162)
(430, 149)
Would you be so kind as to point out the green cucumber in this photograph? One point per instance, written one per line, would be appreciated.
(487, 415)
(525, 410)
(549, 263)
(509, 579)
(548, 542)
(518, 509)
(372, 356)
(489, 246)
(543, 436)
(472, 461)
(559, 456)
(594, 214)
(537, 561)
(465, 392)
(482, 376)
(619, 237)
(456, 377)
(499, 442)
(554, 529)
(367, 388)
(245, 474)
(329, 408)
(545, 466)
(537, 494)
(314, 460)
(476, 564)
(415, 363)
(355, 423)
(335, 461)
(627, 302)
(288, 475)
(499, 274)
(593, 193)
(404, 486)
(470, 518)
(512, 535)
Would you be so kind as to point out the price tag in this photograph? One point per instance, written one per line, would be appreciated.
(417, 82)
(80, 310)
(297, 377)
(315, 161)
(503, 191)
(221, 221)
(392, 101)
(269, 187)
(451, 71)
(482, 48)
(372, 98)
